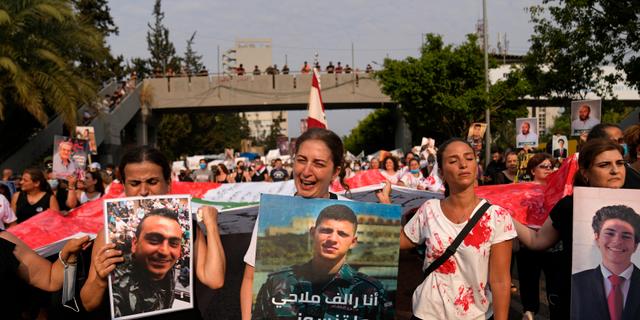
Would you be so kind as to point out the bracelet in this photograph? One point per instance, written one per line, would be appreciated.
(65, 264)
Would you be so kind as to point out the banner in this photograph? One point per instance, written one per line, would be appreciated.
(238, 202)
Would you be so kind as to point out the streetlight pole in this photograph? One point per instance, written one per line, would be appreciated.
(487, 115)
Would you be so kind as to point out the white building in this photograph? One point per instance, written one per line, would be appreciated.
(251, 52)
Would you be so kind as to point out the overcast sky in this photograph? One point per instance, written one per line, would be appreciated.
(300, 28)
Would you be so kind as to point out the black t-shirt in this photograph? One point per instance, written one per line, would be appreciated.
(631, 179)
(9, 275)
(562, 220)
(259, 175)
(279, 174)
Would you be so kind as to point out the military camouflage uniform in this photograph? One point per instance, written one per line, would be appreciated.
(135, 292)
(295, 280)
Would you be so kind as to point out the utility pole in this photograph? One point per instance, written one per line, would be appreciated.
(487, 115)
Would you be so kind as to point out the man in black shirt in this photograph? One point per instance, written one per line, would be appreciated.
(278, 173)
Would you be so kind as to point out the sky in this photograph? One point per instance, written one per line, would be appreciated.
(301, 28)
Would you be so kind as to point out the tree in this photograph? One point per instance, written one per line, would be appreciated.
(376, 131)
(163, 52)
(442, 92)
(140, 66)
(97, 13)
(573, 39)
(200, 133)
(42, 40)
(192, 60)
(270, 141)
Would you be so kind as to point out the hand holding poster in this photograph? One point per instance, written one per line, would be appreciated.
(155, 237)
(69, 157)
(606, 232)
(313, 256)
(527, 132)
(585, 114)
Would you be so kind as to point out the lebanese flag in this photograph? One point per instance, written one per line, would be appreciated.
(316, 118)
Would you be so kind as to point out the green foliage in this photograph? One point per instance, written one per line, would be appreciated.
(140, 66)
(192, 60)
(162, 50)
(572, 39)
(200, 133)
(271, 140)
(42, 43)
(376, 131)
(97, 13)
(443, 91)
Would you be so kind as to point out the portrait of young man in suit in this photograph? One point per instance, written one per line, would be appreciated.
(612, 289)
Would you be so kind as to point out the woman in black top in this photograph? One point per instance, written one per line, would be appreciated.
(601, 165)
(35, 195)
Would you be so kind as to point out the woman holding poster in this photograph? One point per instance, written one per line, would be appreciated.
(601, 165)
(475, 282)
(318, 161)
(145, 171)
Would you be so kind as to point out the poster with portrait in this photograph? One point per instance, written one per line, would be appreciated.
(475, 136)
(283, 145)
(353, 244)
(606, 227)
(526, 132)
(70, 157)
(155, 236)
(89, 134)
(560, 147)
(585, 114)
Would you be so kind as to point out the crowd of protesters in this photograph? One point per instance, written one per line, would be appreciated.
(35, 190)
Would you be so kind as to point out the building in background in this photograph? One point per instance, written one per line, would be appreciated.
(546, 117)
(251, 52)
(260, 122)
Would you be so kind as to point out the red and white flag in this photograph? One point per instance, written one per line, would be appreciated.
(316, 118)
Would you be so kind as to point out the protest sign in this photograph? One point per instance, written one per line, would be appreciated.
(88, 133)
(155, 236)
(606, 223)
(526, 132)
(70, 157)
(559, 147)
(585, 114)
(324, 258)
(475, 136)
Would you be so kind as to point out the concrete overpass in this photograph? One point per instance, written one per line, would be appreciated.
(265, 92)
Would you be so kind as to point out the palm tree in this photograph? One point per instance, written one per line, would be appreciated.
(41, 42)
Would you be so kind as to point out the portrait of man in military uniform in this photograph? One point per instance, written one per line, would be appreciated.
(326, 286)
(153, 242)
